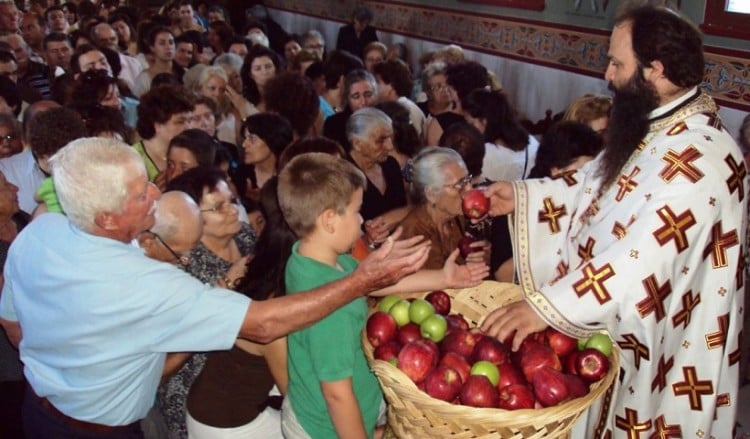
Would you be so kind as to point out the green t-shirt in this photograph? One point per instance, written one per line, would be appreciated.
(329, 350)
(151, 168)
(46, 194)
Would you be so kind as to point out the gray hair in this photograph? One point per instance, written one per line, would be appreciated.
(232, 60)
(362, 121)
(313, 34)
(356, 76)
(426, 171)
(210, 72)
(261, 39)
(432, 69)
(91, 176)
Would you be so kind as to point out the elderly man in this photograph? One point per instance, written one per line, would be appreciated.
(30, 72)
(10, 17)
(647, 241)
(314, 42)
(57, 52)
(103, 35)
(98, 317)
(32, 31)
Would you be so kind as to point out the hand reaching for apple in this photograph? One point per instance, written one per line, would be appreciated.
(463, 276)
(519, 317)
(481, 251)
(502, 199)
(392, 261)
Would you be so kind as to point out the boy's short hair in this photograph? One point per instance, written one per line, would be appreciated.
(313, 183)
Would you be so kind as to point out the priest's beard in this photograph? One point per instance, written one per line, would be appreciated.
(628, 124)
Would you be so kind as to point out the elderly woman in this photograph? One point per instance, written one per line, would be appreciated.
(213, 83)
(265, 137)
(374, 53)
(593, 110)
(435, 87)
(384, 203)
(220, 258)
(260, 65)
(510, 151)
(360, 90)
(10, 135)
(437, 181)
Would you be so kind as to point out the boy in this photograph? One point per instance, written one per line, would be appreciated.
(332, 391)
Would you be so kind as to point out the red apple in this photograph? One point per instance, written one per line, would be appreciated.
(536, 357)
(464, 245)
(550, 386)
(478, 391)
(509, 375)
(515, 397)
(576, 386)
(460, 342)
(489, 349)
(408, 333)
(388, 352)
(561, 343)
(457, 321)
(441, 301)
(381, 328)
(569, 362)
(443, 383)
(592, 365)
(457, 363)
(416, 360)
(475, 204)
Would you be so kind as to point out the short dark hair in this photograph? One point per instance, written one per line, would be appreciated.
(465, 77)
(660, 34)
(57, 37)
(198, 142)
(273, 129)
(155, 32)
(90, 89)
(562, 144)
(294, 97)
(158, 105)
(362, 13)
(467, 141)
(108, 120)
(310, 144)
(195, 181)
(52, 129)
(81, 50)
(40, 20)
(9, 92)
(405, 137)
(52, 9)
(395, 73)
(224, 31)
(500, 117)
(339, 63)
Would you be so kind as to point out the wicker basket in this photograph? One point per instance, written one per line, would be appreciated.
(414, 414)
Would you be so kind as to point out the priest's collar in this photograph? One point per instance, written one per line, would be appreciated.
(668, 109)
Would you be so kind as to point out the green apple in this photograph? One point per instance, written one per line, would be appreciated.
(600, 342)
(433, 327)
(387, 302)
(419, 310)
(582, 343)
(487, 369)
(400, 312)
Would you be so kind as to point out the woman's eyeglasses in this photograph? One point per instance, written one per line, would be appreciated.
(222, 207)
(460, 184)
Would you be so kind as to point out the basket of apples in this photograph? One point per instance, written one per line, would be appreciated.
(442, 377)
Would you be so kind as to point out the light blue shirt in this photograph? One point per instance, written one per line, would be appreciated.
(325, 108)
(98, 318)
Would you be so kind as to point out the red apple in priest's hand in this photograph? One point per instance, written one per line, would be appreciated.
(489, 349)
(592, 365)
(441, 301)
(443, 383)
(478, 391)
(457, 321)
(434, 328)
(475, 204)
(408, 333)
(576, 386)
(550, 386)
(388, 352)
(509, 375)
(561, 343)
(516, 397)
(381, 328)
(457, 363)
(460, 342)
(416, 360)
(465, 245)
(536, 357)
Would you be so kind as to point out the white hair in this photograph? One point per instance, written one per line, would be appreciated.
(211, 71)
(91, 176)
(258, 38)
(427, 171)
(362, 121)
(232, 60)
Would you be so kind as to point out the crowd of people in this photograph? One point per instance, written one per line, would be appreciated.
(205, 198)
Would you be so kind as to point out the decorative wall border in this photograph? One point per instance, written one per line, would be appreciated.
(570, 48)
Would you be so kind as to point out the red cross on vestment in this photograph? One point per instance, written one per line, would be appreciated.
(688, 303)
(550, 214)
(719, 244)
(681, 163)
(655, 295)
(631, 425)
(639, 349)
(716, 339)
(736, 181)
(662, 369)
(586, 253)
(693, 388)
(675, 227)
(593, 281)
(627, 183)
(662, 430)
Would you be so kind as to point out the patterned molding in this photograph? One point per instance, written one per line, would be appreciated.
(573, 49)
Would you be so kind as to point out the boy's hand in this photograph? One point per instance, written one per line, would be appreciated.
(392, 261)
(462, 276)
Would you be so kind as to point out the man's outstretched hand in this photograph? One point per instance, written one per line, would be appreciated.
(392, 261)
